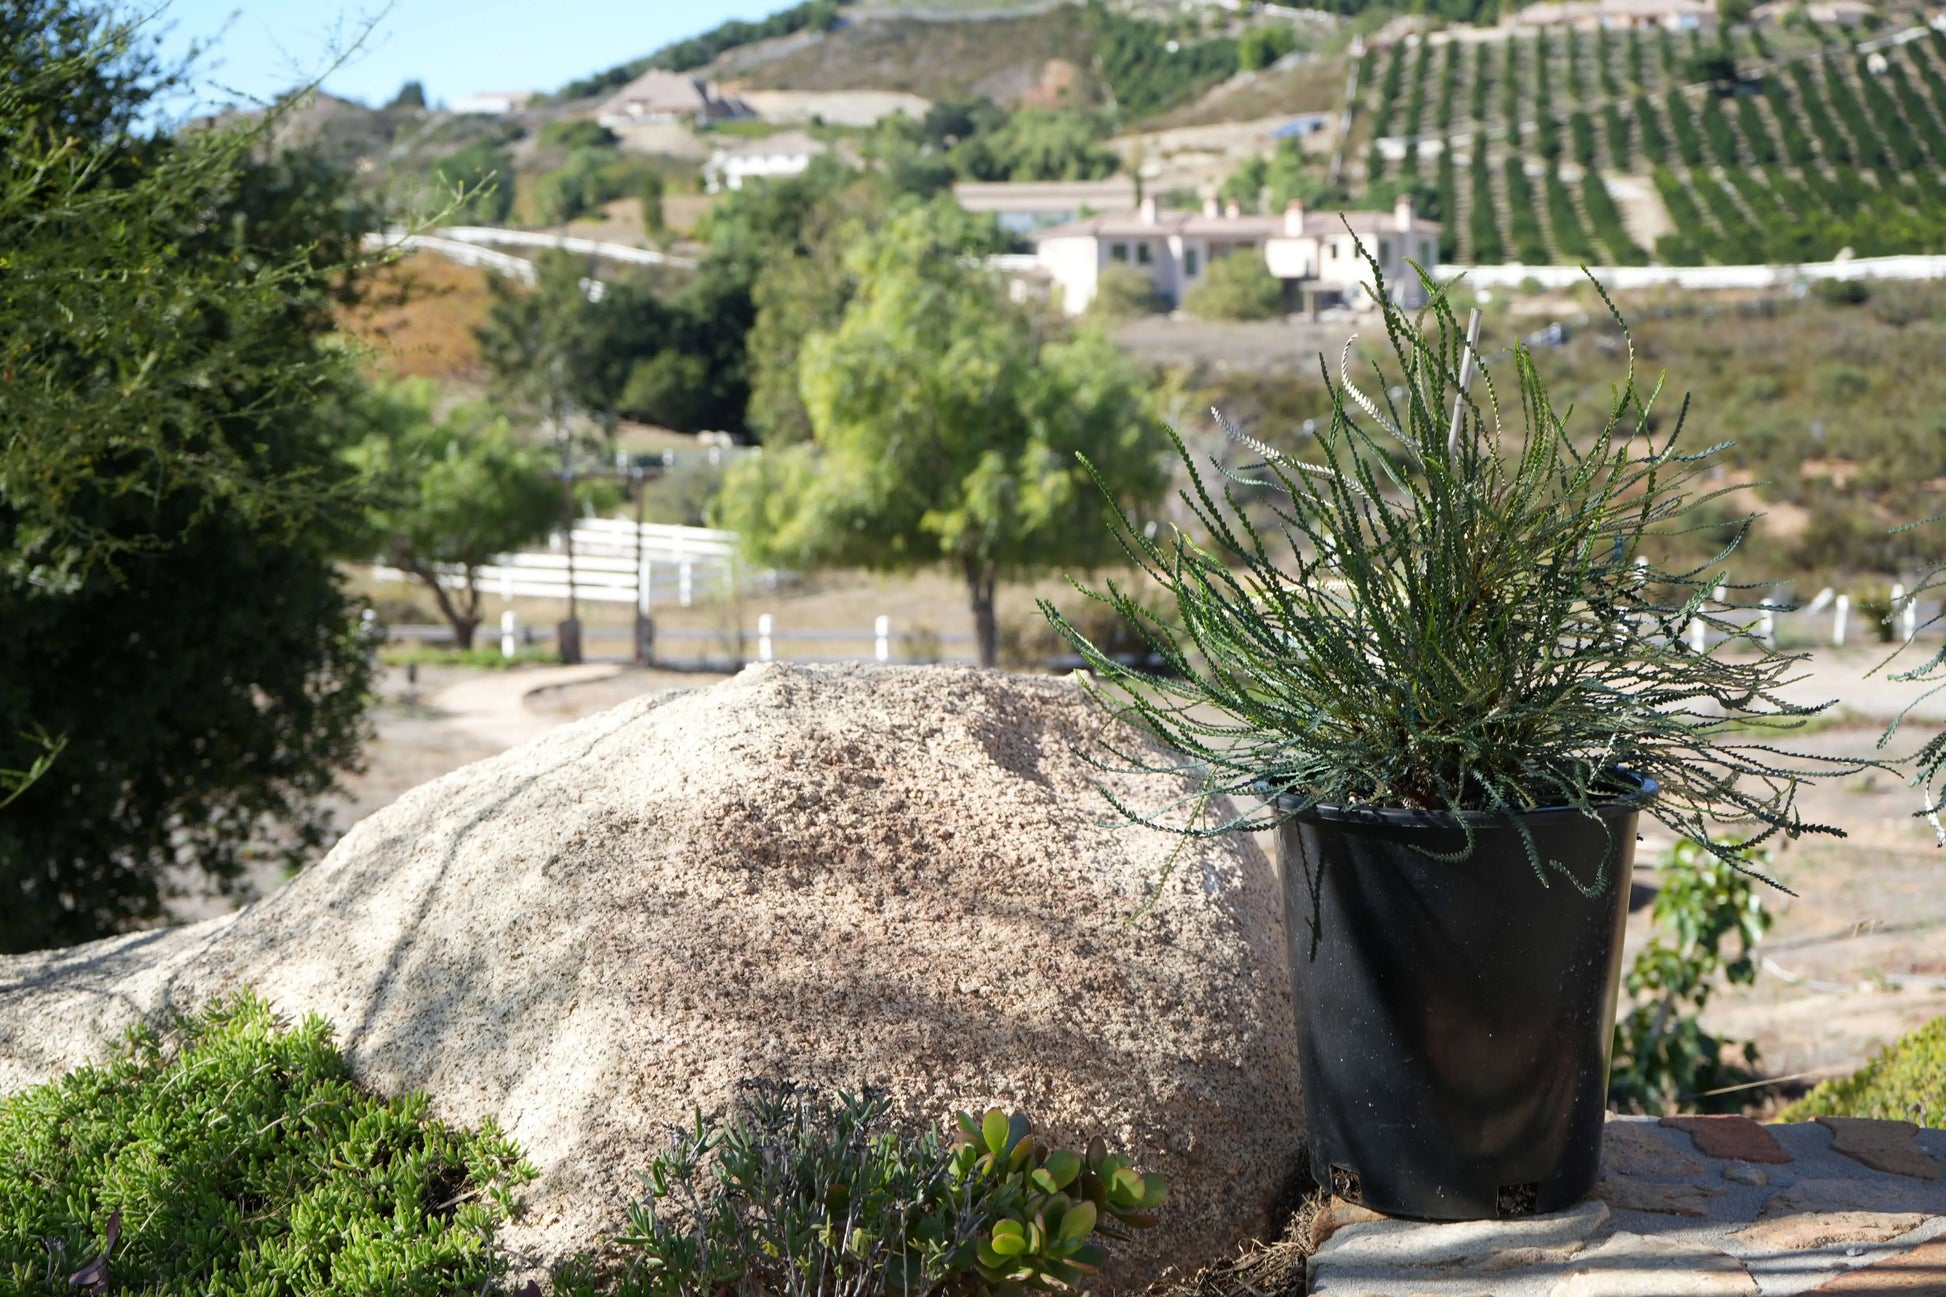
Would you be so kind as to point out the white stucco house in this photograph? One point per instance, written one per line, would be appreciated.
(785, 154)
(1314, 253)
(494, 103)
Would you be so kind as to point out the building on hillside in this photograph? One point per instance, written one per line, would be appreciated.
(1825, 13)
(493, 103)
(1615, 15)
(1025, 206)
(1312, 252)
(787, 153)
(658, 96)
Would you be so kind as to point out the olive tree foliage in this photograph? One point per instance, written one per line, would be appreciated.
(171, 486)
(945, 423)
(449, 492)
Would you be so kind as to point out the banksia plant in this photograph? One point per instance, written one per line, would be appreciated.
(1453, 602)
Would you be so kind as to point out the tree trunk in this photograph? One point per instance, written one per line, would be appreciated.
(464, 619)
(980, 580)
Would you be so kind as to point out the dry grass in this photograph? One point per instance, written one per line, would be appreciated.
(1003, 58)
(418, 317)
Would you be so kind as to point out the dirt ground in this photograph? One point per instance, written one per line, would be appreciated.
(1856, 958)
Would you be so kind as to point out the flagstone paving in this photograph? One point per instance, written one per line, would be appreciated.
(1716, 1205)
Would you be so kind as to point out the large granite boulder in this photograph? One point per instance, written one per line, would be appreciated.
(897, 877)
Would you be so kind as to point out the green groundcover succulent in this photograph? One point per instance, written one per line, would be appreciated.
(229, 1156)
(1905, 1081)
(1452, 600)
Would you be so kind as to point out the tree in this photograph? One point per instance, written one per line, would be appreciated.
(1260, 47)
(653, 222)
(170, 488)
(481, 176)
(411, 95)
(1237, 287)
(1039, 144)
(449, 492)
(1716, 68)
(945, 424)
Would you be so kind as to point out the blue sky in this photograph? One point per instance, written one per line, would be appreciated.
(456, 47)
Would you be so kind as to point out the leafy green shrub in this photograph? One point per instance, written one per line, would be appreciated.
(1260, 47)
(1905, 1081)
(240, 1159)
(1124, 293)
(809, 1196)
(1663, 1060)
(1237, 287)
(577, 133)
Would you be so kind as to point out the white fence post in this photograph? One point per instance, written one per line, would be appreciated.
(642, 576)
(1838, 621)
(765, 623)
(509, 645)
(1906, 608)
(1698, 635)
(683, 587)
(882, 639)
(1767, 628)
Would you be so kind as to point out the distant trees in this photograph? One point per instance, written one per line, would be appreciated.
(171, 489)
(482, 176)
(1260, 47)
(944, 425)
(448, 491)
(411, 95)
(814, 15)
(1038, 144)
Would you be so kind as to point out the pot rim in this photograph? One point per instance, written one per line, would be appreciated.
(1647, 789)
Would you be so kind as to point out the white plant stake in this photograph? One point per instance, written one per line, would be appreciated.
(1465, 382)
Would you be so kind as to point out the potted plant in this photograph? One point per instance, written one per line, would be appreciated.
(1441, 653)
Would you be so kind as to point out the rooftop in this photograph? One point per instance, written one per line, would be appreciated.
(1317, 225)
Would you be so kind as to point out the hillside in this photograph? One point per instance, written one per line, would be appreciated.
(1806, 149)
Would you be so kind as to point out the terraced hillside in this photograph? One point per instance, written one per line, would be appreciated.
(1812, 148)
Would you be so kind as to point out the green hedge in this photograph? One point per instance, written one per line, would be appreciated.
(1906, 1081)
(238, 1158)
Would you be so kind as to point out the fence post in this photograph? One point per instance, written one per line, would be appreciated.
(764, 625)
(1698, 635)
(508, 645)
(1906, 608)
(1767, 628)
(1838, 621)
(882, 639)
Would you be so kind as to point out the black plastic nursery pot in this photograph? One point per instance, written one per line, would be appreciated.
(1454, 1017)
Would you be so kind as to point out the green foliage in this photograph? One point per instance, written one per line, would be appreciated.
(1663, 1061)
(482, 177)
(808, 1196)
(591, 175)
(1716, 68)
(1905, 1081)
(572, 133)
(944, 423)
(171, 495)
(411, 95)
(1260, 47)
(1038, 144)
(681, 56)
(239, 1158)
(1124, 293)
(1237, 287)
(1144, 74)
(1449, 625)
(449, 492)
(650, 191)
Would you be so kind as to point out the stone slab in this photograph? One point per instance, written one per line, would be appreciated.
(1669, 1198)
(1730, 1137)
(1636, 1265)
(1798, 1233)
(1334, 1216)
(1636, 1148)
(1920, 1272)
(1887, 1146)
(1397, 1244)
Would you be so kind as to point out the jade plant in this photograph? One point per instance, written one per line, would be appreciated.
(1454, 599)
(805, 1195)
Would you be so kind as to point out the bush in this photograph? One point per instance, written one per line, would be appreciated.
(1237, 287)
(1124, 293)
(577, 133)
(1260, 47)
(1905, 1081)
(1663, 1060)
(807, 1195)
(233, 1157)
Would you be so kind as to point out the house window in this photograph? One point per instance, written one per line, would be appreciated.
(1144, 255)
(1192, 263)
(1118, 252)
(1330, 252)
(1384, 251)
(1425, 254)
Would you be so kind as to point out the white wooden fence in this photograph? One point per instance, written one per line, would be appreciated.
(612, 564)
